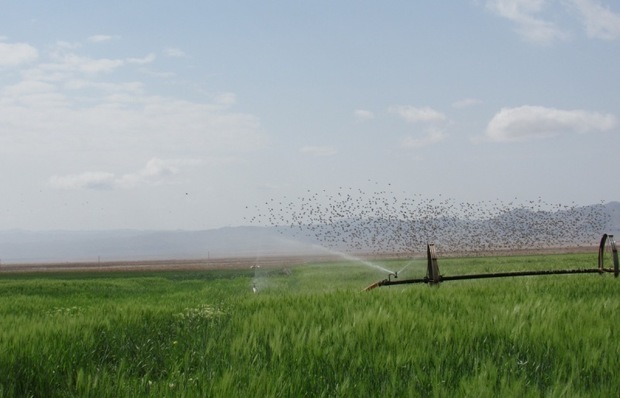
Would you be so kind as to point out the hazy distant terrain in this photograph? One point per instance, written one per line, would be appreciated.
(19, 246)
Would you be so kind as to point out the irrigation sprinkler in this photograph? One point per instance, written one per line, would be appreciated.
(434, 277)
(255, 267)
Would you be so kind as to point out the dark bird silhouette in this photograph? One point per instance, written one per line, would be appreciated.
(382, 222)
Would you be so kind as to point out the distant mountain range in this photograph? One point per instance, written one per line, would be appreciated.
(20, 246)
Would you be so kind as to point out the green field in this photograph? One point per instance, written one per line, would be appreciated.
(311, 331)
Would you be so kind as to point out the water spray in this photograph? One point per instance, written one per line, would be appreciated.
(404, 267)
(349, 257)
(255, 267)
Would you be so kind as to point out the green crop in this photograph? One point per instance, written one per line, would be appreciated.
(311, 331)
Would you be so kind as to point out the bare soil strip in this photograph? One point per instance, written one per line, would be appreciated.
(247, 262)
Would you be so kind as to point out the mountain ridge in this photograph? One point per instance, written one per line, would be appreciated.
(25, 246)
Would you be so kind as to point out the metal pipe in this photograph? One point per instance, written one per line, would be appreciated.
(388, 282)
(433, 276)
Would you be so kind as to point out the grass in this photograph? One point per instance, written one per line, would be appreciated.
(312, 332)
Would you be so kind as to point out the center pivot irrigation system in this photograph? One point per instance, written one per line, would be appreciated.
(433, 277)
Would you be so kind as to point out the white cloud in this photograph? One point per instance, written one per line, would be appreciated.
(62, 45)
(30, 93)
(26, 87)
(466, 103)
(600, 22)
(66, 103)
(89, 180)
(530, 122)
(414, 115)
(81, 84)
(432, 120)
(122, 121)
(433, 136)
(14, 54)
(157, 74)
(174, 52)
(65, 59)
(155, 172)
(101, 38)
(320, 151)
(142, 61)
(525, 14)
(226, 99)
(361, 114)
(70, 62)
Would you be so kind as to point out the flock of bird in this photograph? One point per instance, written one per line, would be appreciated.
(380, 222)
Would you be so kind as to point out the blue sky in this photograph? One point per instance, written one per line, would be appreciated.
(177, 115)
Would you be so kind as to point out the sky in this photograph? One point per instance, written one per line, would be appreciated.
(162, 115)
